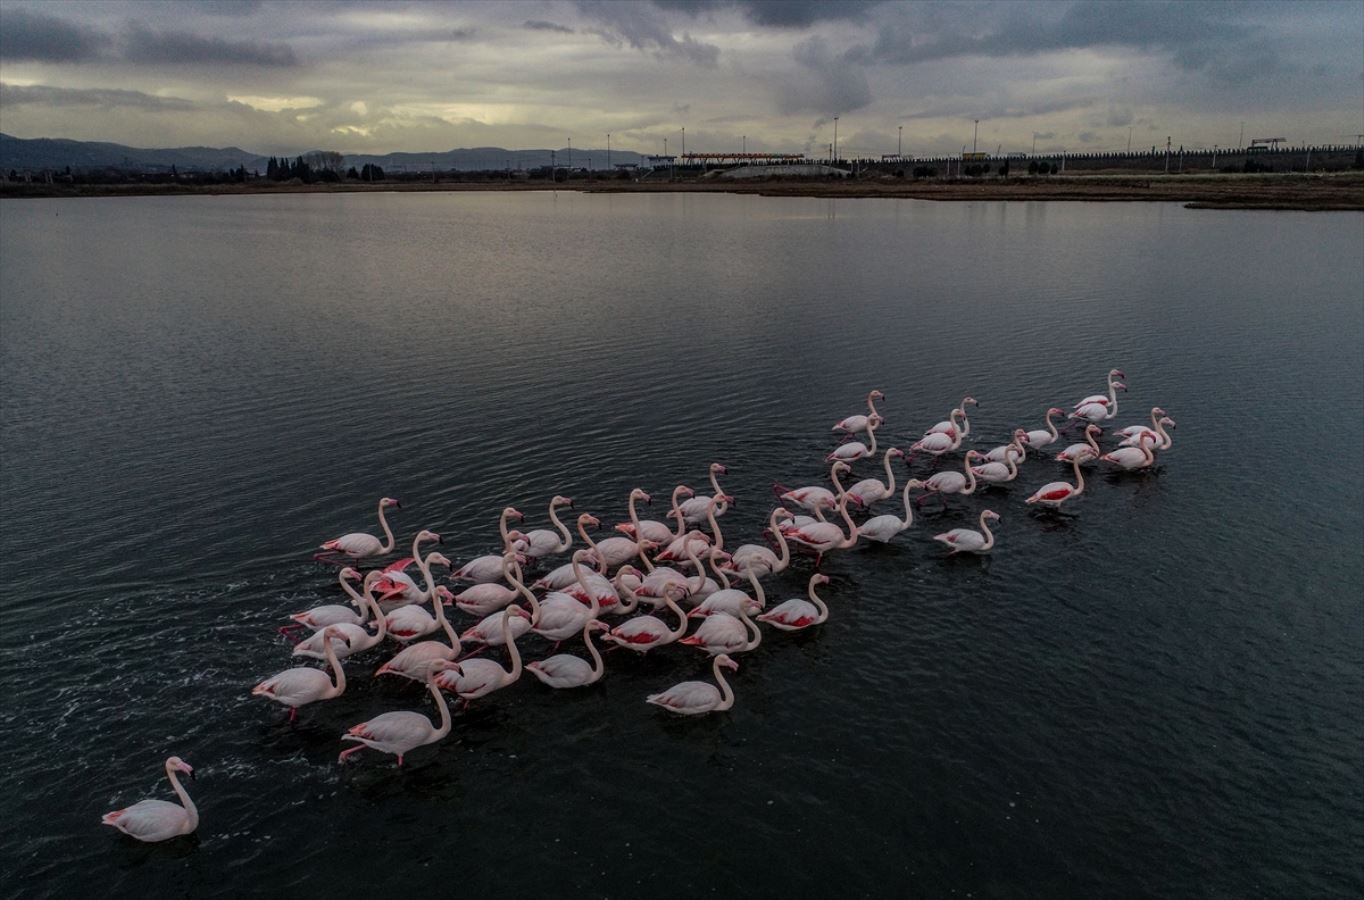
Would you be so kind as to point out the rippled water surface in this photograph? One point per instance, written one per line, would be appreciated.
(1156, 694)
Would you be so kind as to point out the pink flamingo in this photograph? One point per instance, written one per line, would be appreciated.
(614, 551)
(1055, 493)
(967, 540)
(353, 638)
(480, 677)
(814, 497)
(490, 596)
(408, 623)
(1132, 458)
(725, 633)
(1044, 437)
(869, 490)
(997, 472)
(694, 698)
(397, 586)
(563, 615)
(730, 600)
(1012, 450)
(1132, 433)
(694, 510)
(950, 427)
(484, 569)
(945, 483)
(798, 614)
(653, 530)
(320, 617)
(358, 545)
(854, 424)
(643, 633)
(854, 450)
(760, 559)
(1084, 451)
(882, 528)
(565, 670)
(937, 443)
(1100, 412)
(296, 687)
(414, 661)
(825, 536)
(402, 732)
(542, 541)
(562, 577)
(1104, 399)
(158, 820)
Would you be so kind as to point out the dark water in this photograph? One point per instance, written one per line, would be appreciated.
(1157, 695)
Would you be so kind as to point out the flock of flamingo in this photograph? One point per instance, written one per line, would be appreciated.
(660, 565)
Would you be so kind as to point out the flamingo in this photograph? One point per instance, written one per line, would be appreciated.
(937, 443)
(1132, 458)
(488, 632)
(967, 540)
(484, 569)
(296, 687)
(997, 472)
(1012, 450)
(158, 820)
(814, 498)
(869, 490)
(694, 698)
(563, 615)
(725, 633)
(542, 541)
(759, 558)
(825, 536)
(1085, 450)
(854, 424)
(563, 577)
(402, 732)
(414, 661)
(565, 670)
(730, 600)
(1131, 433)
(614, 551)
(945, 483)
(1043, 437)
(490, 596)
(358, 544)
(798, 614)
(353, 638)
(320, 617)
(950, 426)
(883, 528)
(397, 583)
(1100, 412)
(643, 633)
(480, 677)
(656, 531)
(694, 510)
(408, 623)
(854, 450)
(1055, 493)
(1105, 399)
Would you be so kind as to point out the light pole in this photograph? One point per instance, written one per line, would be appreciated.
(900, 141)
(684, 142)
(974, 134)
(608, 151)
(834, 151)
(1214, 157)
(1129, 138)
(745, 142)
(570, 154)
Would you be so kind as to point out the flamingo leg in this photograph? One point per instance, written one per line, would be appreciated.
(293, 713)
(345, 753)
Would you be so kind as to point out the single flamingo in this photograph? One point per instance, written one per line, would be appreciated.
(1012, 450)
(414, 661)
(487, 568)
(694, 698)
(358, 544)
(694, 510)
(480, 677)
(158, 820)
(653, 530)
(760, 559)
(1100, 412)
(643, 633)
(1159, 418)
(1114, 376)
(397, 586)
(944, 483)
(1044, 437)
(825, 536)
(725, 633)
(854, 424)
(967, 540)
(951, 427)
(542, 541)
(356, 639)
(300, 686)
(402, 732)
(320, 617)
(814, 497)
(1055, 493)
(1129, 459)
(490, 596)
(882, 528)
(615, 551)
(1084, 451)
(562, 615)
(408, 623)
(997, 472)
(936, 443)
(731, 600)
(565, 670)
(797, 614)
(870, 490)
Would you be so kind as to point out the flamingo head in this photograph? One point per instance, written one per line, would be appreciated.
(874, 421)
(727, 662)
(427, 536)
(585, 556)
(895, 451)
(818, 579)
(782, 512)
(969, 401)
(588, 519)
(718, 469)
(350, 574)
(438, 559)
(840, 467)
(1091, 428)
(560, 500)
(724, 498)
(990, 514)
(512, 512)
(876, 395)
(627, 570)
(389, 501)
(641, 494)
(334, 633)
(1164, 420)
(974, 454)
(180, 765)
(1056, 411)
(1120, 386)
(1116, 373)
(595, 625)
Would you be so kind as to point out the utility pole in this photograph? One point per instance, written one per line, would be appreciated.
(974, 134)
(1129, 138)
(745, 140)
(1167, 154)
(1214, 157)
(684, 141)
(608, 151)
(834, 151)
(570, 154)
(1242, 144)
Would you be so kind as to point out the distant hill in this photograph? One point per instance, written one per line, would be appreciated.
(56, 154)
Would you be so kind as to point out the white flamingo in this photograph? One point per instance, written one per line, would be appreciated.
(563, 615)
(356, 639)
(1085, 450)
(1044, 437)
(797, 614)
(951, 482)
(967, 540)
(936, 444)
(761, 559)
(158, 820)
(882, 528)
(725, 633)
(1055, 493)
(1114, 376)
(728, 599)
(1100, 412)
(408, 623)
(565, 670)
(1130, 459)
(825, 536)
(854, 450)
(814, 497)
(653, 530)
(997, 472)
(477, 678)
(870, 490)
(694, 510)
(694, 698)
(487, 568)
(542, 541)
(854, 424)
(1012, 450)
(415, 660)
(397, 587)
(490, 596)
(643, 633)
(300, 686)
(951, 427)
(1159, 418)
(320, 617)
(358, 544)
(614, 551)
(402, 732)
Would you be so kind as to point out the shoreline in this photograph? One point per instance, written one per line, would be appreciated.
(1300, 192)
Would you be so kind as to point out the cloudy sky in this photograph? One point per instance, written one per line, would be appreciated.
(284, 76)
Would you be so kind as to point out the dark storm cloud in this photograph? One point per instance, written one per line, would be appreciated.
(143, 45)
(227, 7)
(106, 98)
(778, 13)
(999, 110)
(642, 27)
(1193, 32)
(542, 25)
(823, 82)
(26, 35)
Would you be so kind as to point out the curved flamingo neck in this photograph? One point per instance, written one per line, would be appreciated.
(424, 565)
(757, 587)
(852, 527)
(335, 664)
(681, 628)
(784, 558)
(1051, 427)
(389, 540)
(890, 474)
(989, 535)
(444, 623)
(909, 511)
(1148, 455)
(515, 671)
(444, 728)
(1089, 436)
(871, 405)
(714, 526)
(833, 476)
(630, 600)
(582, 533)
(355, 599)
(871, 430)
(190, 809)
(520, 587)
(582, 583)
(970, 477)
(598, 667)
(965, 422)
(819, 604)
(720, 575)
(1079, 477)
(700, 569)
(715, 486)
(726, 692)
(566, 537)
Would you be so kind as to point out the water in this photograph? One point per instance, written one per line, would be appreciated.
(1156, 695)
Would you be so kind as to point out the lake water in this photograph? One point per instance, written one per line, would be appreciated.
(1157, 694)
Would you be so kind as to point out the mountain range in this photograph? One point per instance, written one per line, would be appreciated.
(56, 154)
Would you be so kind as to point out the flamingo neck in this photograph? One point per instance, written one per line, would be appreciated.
(1148, 455)
(833, 476)
(909, 513)
(757, 587)
(444, 728)
(819, 604)
(190, 809)
(389, 540)
(784, 559)
(1165, 439)
(970, 477)
(629, 600)
(424, 566)
(715, 526)
(444, 623)
(965, 422)
(582, 533)
(520, 586)
(852, 527)
(1089, 436)
(871, 430)
(890, 475)
(720, 575)
(502, 530)
(598, 667)
(1079, 477)
(1051, 427)
(700, 569)
(356, 600)
(871, 405)
(681, 628)
(335, 665)
(515, 671)
(726, 692)
(989, 535)
(566, 537)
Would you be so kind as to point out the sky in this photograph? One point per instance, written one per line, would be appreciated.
(288, 76)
